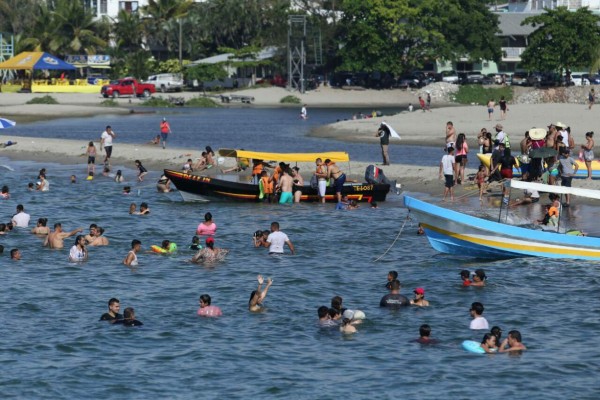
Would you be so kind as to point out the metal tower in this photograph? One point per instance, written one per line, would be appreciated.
(7, 46)
(296, 52)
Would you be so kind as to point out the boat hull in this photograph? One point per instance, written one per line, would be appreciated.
(204, 188)
(456, 233)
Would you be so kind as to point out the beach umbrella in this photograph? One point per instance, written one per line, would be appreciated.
(6, 123)
(543, 152)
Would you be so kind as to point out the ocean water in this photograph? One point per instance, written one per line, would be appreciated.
(53, 346)
(260, 129)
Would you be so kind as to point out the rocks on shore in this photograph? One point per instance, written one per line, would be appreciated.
(441, 92)
(572, 94)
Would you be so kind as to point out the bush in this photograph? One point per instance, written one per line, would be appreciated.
(109, 103)
(157, 102)
(203, 102)
(478, 94)
(290, 100)
(43, 100)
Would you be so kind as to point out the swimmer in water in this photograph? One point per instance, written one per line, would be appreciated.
(99, 240)
(347, 327)
(479, 278)
(4, 194)
(142, 171)
(425, 335)
(325, 320)
(129, 318)
(206, 310)
(55, 239)
(78, 252)
(41, 228)
(113, 311)
(465, 275)
(488, 343)
(132, 208)
(392, 276)
(257, 296)
(196, 244)
(127, 190)
(119, 176)
(131, 257)
(15, 254)
(512, 342)
(73, 179)
(419, 299)
(89, 238)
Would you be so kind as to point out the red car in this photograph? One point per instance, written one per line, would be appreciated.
(127, 87)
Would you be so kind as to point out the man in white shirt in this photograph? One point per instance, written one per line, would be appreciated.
(447, 168)
(21, 218)
(478, 321)
(106, 141)
(277, 239)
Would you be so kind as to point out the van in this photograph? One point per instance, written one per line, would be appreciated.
(166, 82)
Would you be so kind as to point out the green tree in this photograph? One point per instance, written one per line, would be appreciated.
(563, 40)
(205, 72)
(18, 16)
(163, 21)
(398, 35)
(128, 31)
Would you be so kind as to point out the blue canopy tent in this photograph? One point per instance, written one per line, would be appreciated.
(35, 60)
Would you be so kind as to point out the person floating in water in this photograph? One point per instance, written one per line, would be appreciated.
(129, 318)
(113, 311)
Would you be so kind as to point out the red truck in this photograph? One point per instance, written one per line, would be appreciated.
(127, 87)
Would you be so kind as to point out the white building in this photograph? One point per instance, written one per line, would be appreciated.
(111, 8)
(531, 6)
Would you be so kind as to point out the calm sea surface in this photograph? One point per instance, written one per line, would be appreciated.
(52, 345)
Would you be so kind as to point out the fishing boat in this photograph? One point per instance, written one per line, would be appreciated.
(458, 233)
(209, 188)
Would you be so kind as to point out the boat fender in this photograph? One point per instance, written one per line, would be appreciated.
(473, 347)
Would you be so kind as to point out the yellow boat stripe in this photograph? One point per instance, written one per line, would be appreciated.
(514, 246)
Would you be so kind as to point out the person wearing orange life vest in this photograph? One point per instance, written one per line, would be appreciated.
(267, 186)
(165, 129)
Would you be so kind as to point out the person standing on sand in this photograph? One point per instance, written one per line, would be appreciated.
(591, 98)
(503, 107)
(383, 133)
(447, 170)
(428, 106)
(490, 108)
(106, 141)
(165, 130)
(588, 153)
(450, 134)
(91, 154)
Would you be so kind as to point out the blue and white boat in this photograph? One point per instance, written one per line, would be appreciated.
(457, 233)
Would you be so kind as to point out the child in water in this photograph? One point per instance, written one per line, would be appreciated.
(488, 343)
(465, 274)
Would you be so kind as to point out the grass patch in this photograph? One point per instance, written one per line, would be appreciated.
(290, 100)
(43, 100)
(157, 102)
(109, 103)
(478, 94)
(201, 102)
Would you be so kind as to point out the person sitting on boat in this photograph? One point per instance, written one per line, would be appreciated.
(530, 196)
(201, 163)
(241, 164)
(465, 275)
(187, 167)
(478, 278)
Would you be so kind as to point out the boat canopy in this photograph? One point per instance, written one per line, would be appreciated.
(337, 156)
(540, 187)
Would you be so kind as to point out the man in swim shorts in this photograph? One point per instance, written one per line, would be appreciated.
(106, 141)
(277, 239)
(55, 239)
(339, 178)
(113, 311)
(286, 184)
(165, 129)
(321, 173)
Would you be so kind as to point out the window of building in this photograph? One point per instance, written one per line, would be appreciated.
(129, 6)
(103, 6)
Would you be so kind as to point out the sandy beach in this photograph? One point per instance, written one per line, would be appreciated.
(416, 128)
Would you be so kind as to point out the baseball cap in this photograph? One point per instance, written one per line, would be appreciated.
(209, 240)
(498, 126)
(420, 290)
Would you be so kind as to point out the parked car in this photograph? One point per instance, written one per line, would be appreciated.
(410, 81)
(127, 87)
(546, 79)
(519, 79)
(166, 82)
(592, 79)
(472, 77)
(449, 76)
(579, 80)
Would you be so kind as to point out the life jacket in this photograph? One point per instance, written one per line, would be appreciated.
(267, 185)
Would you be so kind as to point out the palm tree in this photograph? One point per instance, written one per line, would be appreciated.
(42, 32)
(161, 13)
(77, 30)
